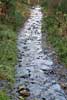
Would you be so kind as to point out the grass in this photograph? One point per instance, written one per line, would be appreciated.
(59, 42)
(8, 37)
(8, 50)
(3, 96)
(8, 46)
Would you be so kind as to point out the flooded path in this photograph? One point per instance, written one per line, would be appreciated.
(35, 65)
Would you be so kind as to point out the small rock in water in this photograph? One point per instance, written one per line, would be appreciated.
(64, 85)
(52, 72)
(43, 99)
(25, 47)
(20, 65)
(24, 93)
(21, 98)
(29, 28)
(21, 88)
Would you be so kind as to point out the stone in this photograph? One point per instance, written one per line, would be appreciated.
(48, 62)
(24, 47)
(24, 93)
(21, 88)
(64, 85)
(52, 72)
(20, 65)
(23, 73)
(43, 99)
(21, 98)
(45, 68)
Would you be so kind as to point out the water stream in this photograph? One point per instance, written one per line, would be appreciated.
(34, 65)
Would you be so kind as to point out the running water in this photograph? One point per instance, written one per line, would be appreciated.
(34, 66)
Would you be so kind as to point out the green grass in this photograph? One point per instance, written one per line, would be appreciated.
(8, 56)
(59, 43)
(3, 96)
(8, 37)
(8, 47)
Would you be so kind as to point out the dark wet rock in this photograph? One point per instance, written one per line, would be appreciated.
(52, 72)
(25, 47)
(19, 60)
(22, 52)
(23, 55)
(24, 43)
(38, 58)
(19, 65)
(45, 51)
(24, 76)
(29, 28)
(43, 99)
(3, 84)
(20, 57)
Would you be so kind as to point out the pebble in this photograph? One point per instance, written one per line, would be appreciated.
(24, 93)
(64, 85)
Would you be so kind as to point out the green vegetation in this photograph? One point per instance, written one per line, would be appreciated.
(55, 24)
(8, 55)
(13, 14)
(3, 96)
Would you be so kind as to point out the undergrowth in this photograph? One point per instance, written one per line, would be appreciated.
(15, 16)
(55, 25)
(3, 96)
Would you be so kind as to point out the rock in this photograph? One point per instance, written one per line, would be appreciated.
(24, 93)
(23, 73)
(52, 72)
(21, 98)
(20, 88)
(20, 65)
(64, 85)
(25, 47)
(43, 99)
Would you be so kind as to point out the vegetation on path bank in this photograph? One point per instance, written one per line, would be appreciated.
(3, 96)
(13, 14)
(55, 24)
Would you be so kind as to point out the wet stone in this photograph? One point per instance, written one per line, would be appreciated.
(25, 47)
(43, 99)
(19, 65)
(23, 73)
(64, 85)
(23, 91)
(48, 62)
